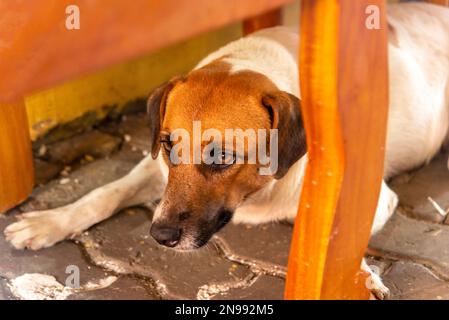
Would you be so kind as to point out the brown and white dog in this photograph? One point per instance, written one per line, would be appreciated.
(252, 83)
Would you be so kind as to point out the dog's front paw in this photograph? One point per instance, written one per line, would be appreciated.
(374, 282)
(36, 230)
(378, 290)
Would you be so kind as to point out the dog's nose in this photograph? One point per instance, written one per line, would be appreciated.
(166, 236)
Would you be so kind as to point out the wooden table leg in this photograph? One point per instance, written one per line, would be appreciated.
(344, 86)
(441, 2)
(16, 164)
(265, 20)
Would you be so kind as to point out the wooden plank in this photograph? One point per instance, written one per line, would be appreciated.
(16, 165)
(121, 83)
(344, 81)
(38, 51)
(265, 20)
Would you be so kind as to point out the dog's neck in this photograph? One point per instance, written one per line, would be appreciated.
(276, 201)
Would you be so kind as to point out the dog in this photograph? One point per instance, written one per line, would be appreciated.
(252, 83)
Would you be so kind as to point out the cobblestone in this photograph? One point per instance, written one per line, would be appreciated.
(241, 262)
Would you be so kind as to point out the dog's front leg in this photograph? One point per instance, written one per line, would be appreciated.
(374, 283)
(41, 229)
(386, 205)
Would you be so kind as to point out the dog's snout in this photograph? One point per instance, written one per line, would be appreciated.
(165, 235)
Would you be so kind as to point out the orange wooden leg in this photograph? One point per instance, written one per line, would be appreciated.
(265, 20)
(441, 2)
(16, 165)
(344, 86)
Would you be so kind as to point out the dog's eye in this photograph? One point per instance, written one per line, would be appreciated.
(227, 159)
(167, 145)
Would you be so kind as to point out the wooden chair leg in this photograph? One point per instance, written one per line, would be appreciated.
(440, 2)
(16, 162)
(265, 20)
(344, 86)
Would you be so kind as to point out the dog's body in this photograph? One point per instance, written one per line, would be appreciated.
(226, 82)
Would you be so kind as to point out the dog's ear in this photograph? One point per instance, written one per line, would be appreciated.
(285, 115)
(156, 109)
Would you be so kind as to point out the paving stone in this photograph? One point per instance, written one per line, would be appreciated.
(415, 188)
(264, 288)
(68, 130)
(415, 240)
(5, 294)
(268, 242)
(93, 143)
(125, 238)
(133, 128)
(79, 182)
(52, 261)
(44, 171)
(124, 288)
(240, 262)
(136, 131)
(407, 280)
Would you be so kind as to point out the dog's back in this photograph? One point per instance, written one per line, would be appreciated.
(419, 84)
(418, 70)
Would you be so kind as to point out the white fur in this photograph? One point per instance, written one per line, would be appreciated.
(417, 126)
(419, 101)
(41, 229)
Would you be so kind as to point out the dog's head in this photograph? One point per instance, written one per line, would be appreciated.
(201, 196)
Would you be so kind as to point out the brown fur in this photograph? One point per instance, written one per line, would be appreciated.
(220, 100)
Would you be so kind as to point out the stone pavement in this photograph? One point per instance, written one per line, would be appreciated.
(118, 259)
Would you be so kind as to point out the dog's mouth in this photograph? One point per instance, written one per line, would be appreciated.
(205, 232)
(223, 218)
(208, 230)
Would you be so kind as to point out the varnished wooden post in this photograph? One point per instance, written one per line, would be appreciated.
(265, 20)
(440, 2)
(344, 88)
(16, 165)
(318, 70)
(363, 107)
